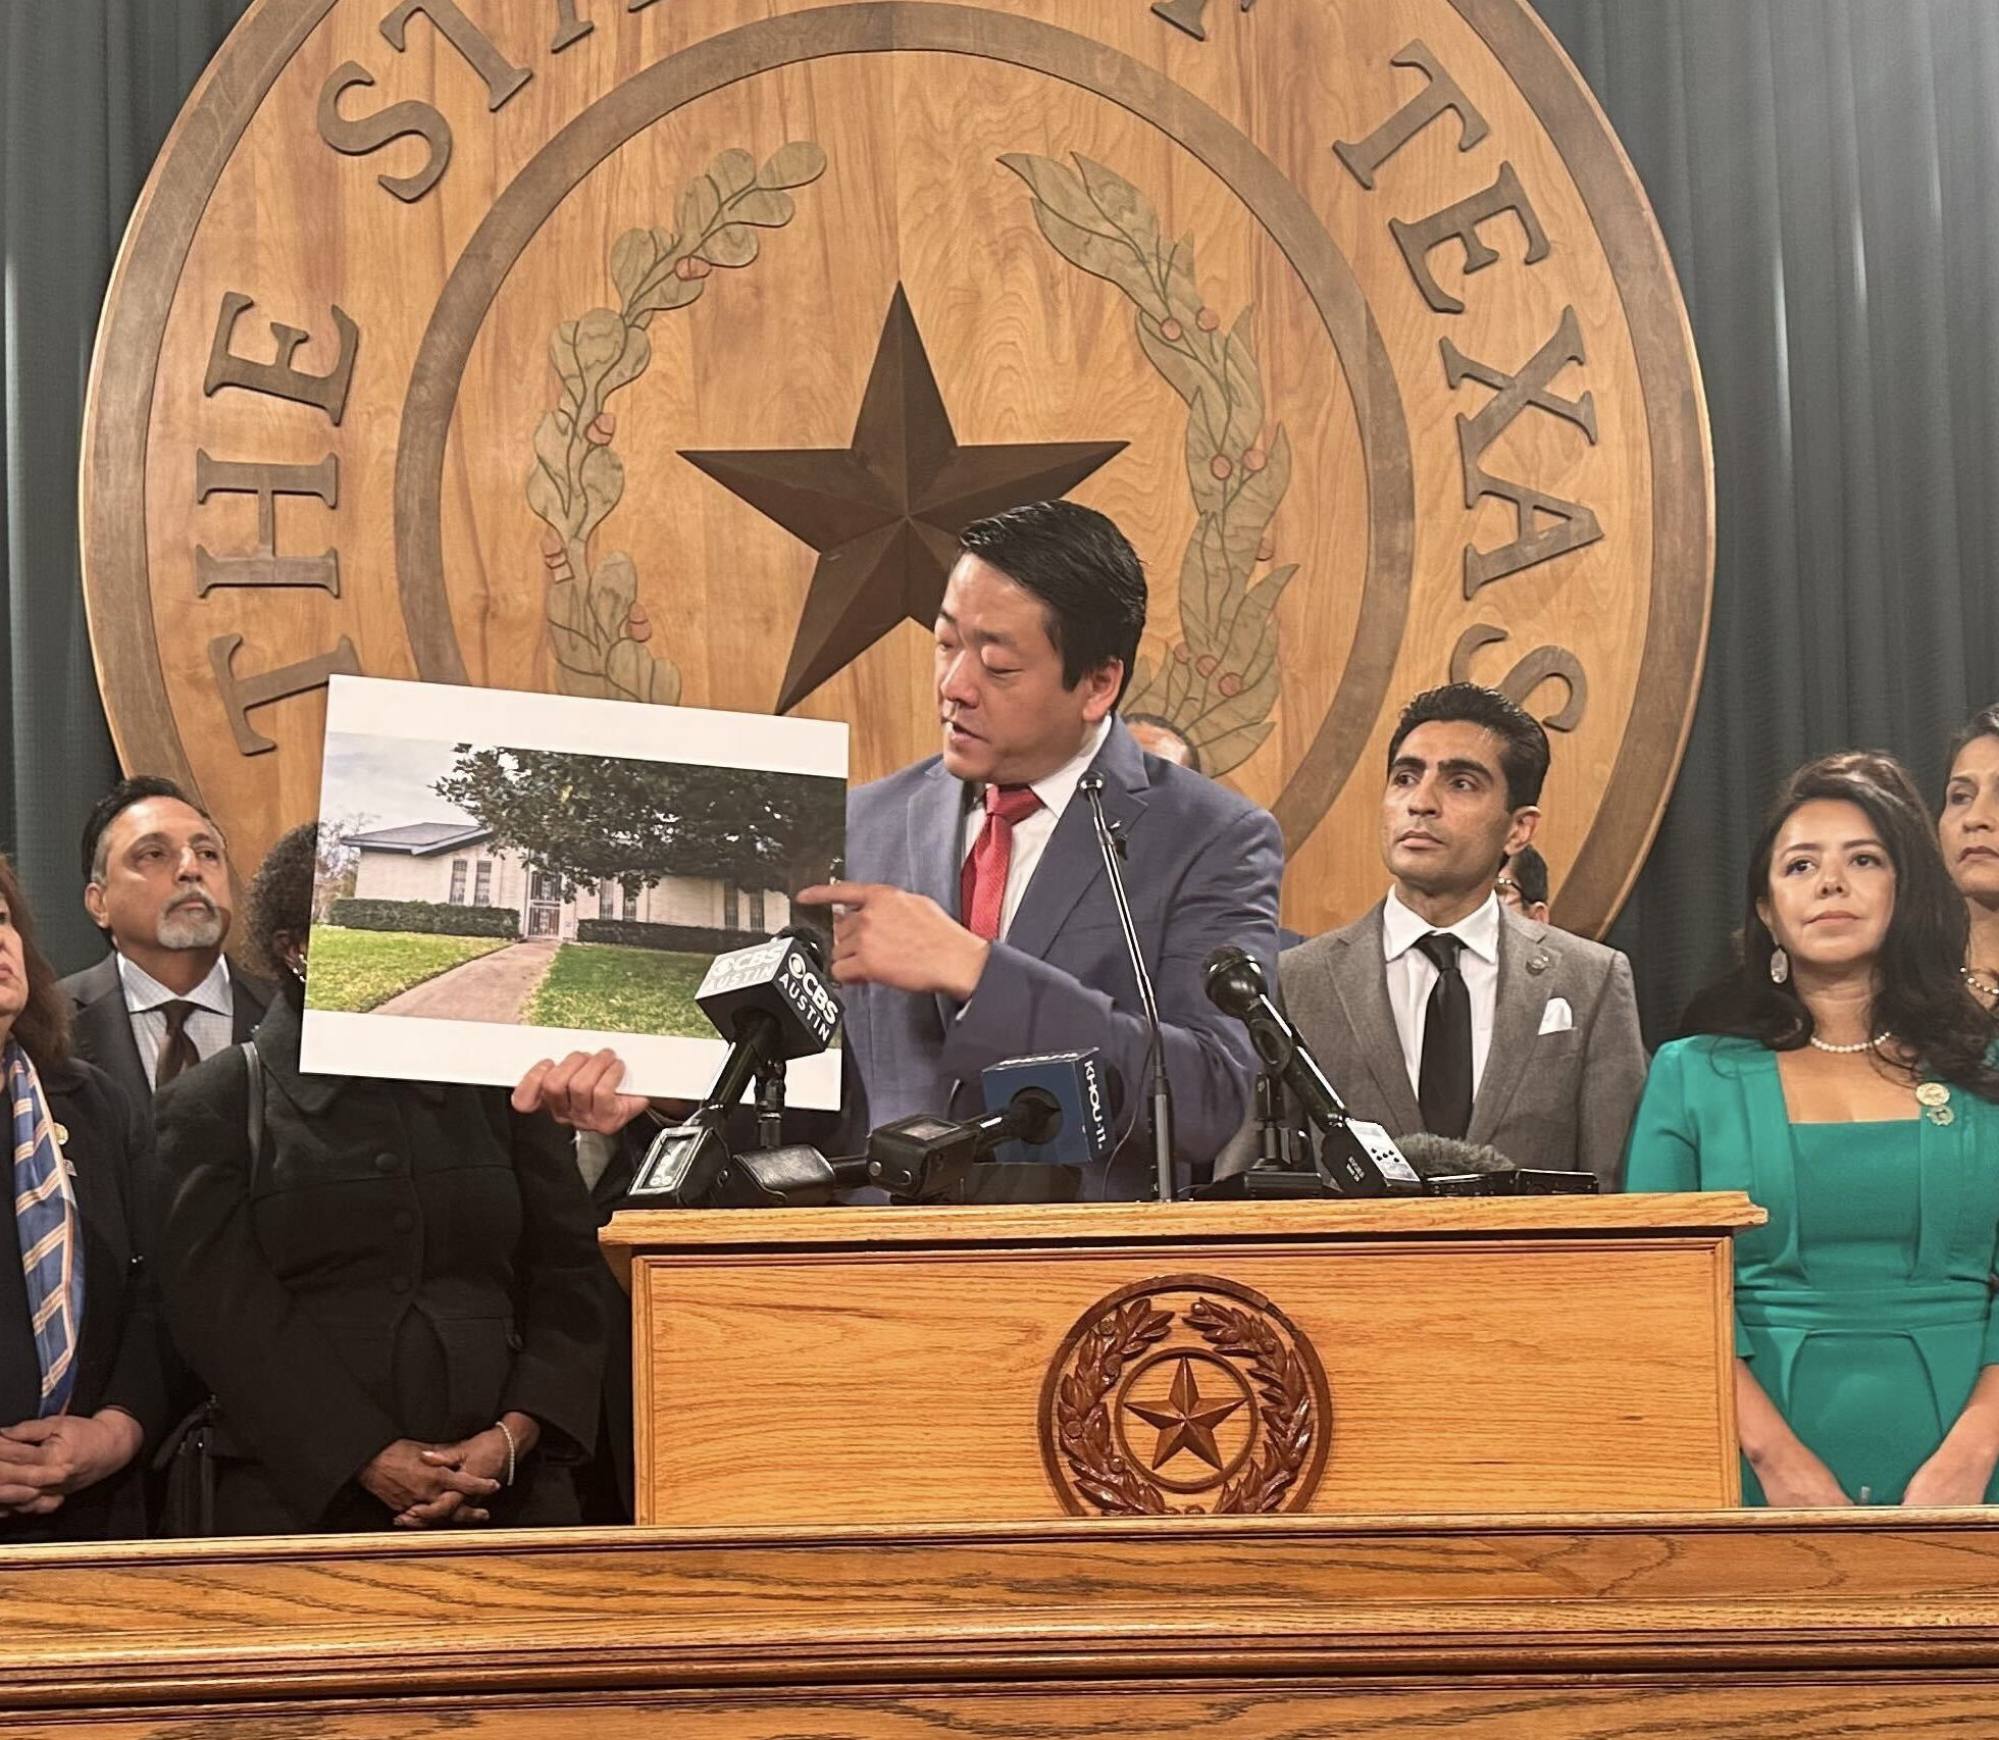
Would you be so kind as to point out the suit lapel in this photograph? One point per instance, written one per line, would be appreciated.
(1072, 861)
(935, 821)
(1515, 1027)
(247, 1002)
(1360, 980)
(104, 1025)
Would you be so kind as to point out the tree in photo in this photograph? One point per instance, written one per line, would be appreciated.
(592, 819)
(336, 863)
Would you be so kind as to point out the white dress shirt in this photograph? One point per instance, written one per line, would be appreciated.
(1032, 834)
(211, 1026)
(1412, 976)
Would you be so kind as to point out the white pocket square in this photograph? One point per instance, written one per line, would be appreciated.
(1558, 1017)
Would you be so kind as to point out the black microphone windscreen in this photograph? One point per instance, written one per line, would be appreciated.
(1233, 979)
(1080, 1083)
(811, 940)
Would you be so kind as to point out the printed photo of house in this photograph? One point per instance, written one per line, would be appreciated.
(505, 877)
(455, 864)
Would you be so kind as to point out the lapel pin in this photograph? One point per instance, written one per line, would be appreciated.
(62, 1135)
(1935, 1100)
(1538, 964)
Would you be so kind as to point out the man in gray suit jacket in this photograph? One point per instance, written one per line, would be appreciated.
(1441, 1010)
(977, 923)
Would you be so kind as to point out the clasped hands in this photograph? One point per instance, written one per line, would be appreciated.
(881, 936)
(431, 1484)
(43, 1461)
(1951, 1476)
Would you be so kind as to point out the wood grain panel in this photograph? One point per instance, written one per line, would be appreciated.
(1577, 1364)
(1740, 1624)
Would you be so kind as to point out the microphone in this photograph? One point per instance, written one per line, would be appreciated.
(924, 1156)
(1449, 1167)
(1111, 845)
(790, 1177)
(1355, 1157)
(772, 1001)
(1088, 1092)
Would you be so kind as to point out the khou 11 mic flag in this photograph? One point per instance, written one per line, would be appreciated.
(505, 877)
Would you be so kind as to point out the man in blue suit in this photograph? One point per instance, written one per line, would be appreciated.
(977, 923)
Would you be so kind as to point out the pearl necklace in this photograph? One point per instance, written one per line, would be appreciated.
(1880, 1039)
(1985, 986)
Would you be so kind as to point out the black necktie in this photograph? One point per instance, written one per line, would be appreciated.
(177, 1050)
(1443, 1083)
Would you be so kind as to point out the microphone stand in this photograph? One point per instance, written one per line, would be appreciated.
(1111, 845)
(1273, 1138)
(770, 1106)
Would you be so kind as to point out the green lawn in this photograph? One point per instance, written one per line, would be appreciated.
(357, 970)
(615, 989)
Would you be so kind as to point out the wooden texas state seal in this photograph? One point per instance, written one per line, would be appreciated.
(660, 351)
(1186, 1395)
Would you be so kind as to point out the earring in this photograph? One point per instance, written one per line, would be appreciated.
(1780, 965)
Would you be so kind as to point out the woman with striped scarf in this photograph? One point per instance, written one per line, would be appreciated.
(81, 1383)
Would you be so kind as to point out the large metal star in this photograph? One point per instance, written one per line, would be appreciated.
(1184, 1423)
(885, 513)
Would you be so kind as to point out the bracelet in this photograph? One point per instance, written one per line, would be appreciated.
(513, 1449)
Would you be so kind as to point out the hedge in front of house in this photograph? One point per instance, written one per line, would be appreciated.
(430, 917)
(692, 939)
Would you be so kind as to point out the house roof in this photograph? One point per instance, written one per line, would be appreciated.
(419, 839)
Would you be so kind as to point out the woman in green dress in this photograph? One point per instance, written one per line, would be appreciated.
(1839, 1075)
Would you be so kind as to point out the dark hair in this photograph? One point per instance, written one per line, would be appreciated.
(1523, 745)
(120, 798)
(1920, 996)
(42, 1026)
(1983, 723)
(1529, 871)
(1083, 568)
(281, 893)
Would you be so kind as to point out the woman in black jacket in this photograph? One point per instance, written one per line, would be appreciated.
(391, 1287)
(81, 1381)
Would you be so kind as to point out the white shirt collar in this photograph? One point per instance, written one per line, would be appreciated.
(1402, 929)
(1056, 789)
(143, 991)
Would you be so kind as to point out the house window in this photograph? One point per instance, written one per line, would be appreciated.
(732, 915)
(482, 884)
(607, 900)
(458, 882)
(631, 905)
(757, 911)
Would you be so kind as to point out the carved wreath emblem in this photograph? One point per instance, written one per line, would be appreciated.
(1188, 1395)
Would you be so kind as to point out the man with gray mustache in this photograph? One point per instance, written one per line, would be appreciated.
(158, 887)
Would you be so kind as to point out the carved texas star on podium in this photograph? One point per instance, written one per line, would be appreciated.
(885, 513)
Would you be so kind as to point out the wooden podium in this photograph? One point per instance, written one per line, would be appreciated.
(841, 1367)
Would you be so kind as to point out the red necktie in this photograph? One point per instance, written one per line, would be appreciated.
(982, 886)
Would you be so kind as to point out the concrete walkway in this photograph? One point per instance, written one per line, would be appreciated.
(492, 988)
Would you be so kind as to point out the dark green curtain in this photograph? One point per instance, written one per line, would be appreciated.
(88, 89)
(1825, 174)
(1824, 171)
